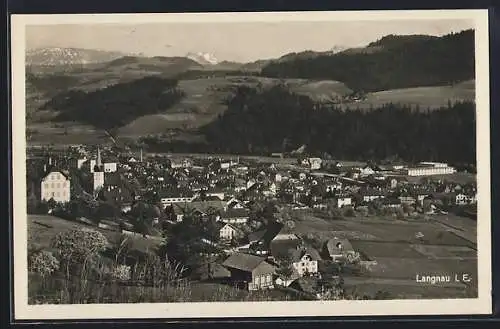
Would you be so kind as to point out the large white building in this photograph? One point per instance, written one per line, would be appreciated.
(56, 185)
(429, 169)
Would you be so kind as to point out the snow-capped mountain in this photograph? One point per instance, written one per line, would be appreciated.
(55, 56)
(203, 58)
(337, 49)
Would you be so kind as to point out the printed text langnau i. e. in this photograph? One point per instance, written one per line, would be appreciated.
(443, 278)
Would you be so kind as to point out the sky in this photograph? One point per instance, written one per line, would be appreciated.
(241, 42)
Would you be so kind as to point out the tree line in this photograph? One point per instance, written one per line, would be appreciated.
(393, 62)
(277, 120)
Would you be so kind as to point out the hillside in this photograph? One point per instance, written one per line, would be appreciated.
(116, 105)
(206, 98)
(398, 62)
(277, 120)
(421, 97)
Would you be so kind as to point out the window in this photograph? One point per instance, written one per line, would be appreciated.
(268, 278)
(58, 185)
(52, 185)
(65, 184)
(46, 185)
(257, 280)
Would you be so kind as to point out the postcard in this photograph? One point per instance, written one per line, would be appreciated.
(229, 165)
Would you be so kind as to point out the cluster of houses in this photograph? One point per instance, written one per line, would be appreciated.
(225, 189)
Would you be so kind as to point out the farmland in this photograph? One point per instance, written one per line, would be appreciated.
(400, 255)
(205, 99)
(424, 97)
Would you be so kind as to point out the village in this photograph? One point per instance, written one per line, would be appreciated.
(268, 224)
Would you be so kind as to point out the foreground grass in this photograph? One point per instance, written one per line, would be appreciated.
(43, 228)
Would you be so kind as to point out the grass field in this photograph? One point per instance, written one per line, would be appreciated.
(406, 291)
(425, 97)
(43, 228)
(408, 268)
(400, 255)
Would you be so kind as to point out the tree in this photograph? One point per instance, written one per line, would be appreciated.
(79, 248)
(51, 204)
(285, 269)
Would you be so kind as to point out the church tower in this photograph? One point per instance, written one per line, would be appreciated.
(98, 173)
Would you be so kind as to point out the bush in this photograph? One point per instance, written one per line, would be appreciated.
(43, 263)
(78, 245)
(349, 212)
(121, 273)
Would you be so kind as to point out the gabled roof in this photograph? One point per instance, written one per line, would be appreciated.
(235, 213)
(285, 249)
(63, 172)
(257, 235)
(237, 229)
(243, 262)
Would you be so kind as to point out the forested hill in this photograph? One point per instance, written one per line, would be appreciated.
(397, 62)
(275, 120)
(116, 105)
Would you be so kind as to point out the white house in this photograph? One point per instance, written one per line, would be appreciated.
(229, 232)
(315, 163)
(367, 171)
(461, 199)
(343, 201)
(307, 263)
(56, 185)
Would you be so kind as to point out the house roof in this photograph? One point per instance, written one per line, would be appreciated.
(113, 179)
(205, 205)
(391, 201)
(272, 229)
(65, 173)
(176, 193)
(243, 262)
(285, 249)
(257, 235)
(235, 213)
(337, 246)
(371, 192)
(237, 229)
(124, 195)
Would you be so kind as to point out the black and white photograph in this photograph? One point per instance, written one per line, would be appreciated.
(251, 164)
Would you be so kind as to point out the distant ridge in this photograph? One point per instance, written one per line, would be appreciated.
(56, 56)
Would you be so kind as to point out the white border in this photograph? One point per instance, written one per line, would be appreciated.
(23, 311)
